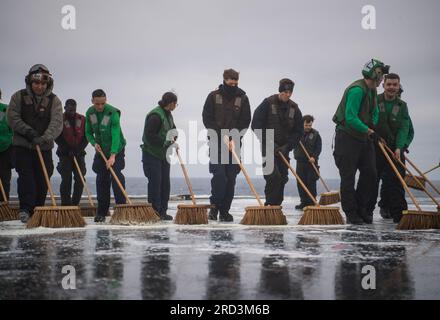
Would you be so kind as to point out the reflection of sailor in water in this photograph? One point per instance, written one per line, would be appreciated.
(393, 280)
(155, 274)
(108, 266)
(224, 269)
(281, 278)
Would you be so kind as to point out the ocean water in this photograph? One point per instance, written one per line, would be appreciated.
(137, 187)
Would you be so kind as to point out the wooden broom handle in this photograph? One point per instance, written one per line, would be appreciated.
(432, 169)
(299, 179)
(185, 173)
(46, 176)
(314, 167)
(83, 181)
(414, 177)
(116, 178)
(423, 175)
(3, 191)
(231, 149)
(399, 176)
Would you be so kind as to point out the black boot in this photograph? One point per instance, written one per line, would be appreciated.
(366, 216)
(99, 219)
(385, 213)
(165, 217)
(226, 217)
(353, 218)
(300, 206)
(396, 217)
(213, 213)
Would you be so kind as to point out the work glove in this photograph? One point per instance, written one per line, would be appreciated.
(283, 149)
(31, 134)
(38, 141)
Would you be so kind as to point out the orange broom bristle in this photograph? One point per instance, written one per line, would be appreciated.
(264, 215)
(330, 198)
(321, 216)
(7, 213)
(56, 217)
(412, 183)
(191, 214)
(134, 214)
(89, 211)
(419, 220)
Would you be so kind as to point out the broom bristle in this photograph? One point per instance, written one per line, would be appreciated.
(7, 213)
(419, 220)
(191, 214)
(89, 211)
(321, 216)
(56, 217)
(330, 198)
(134, 214)
(412, 183)
(264, 215)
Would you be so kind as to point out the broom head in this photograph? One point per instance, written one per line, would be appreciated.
(7, 213)
(330, 198)
(321, 216)
(264, 215)
(134, 214)
(412, 183)
(191, 214)
(419, 220)
(56, 217)
(88, 211)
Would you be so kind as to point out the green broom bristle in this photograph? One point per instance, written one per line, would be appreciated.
(418, 220)
(321, 216)
(267, 215)
(330, 198)
(56, 217)
(191, 214)
(134, 214)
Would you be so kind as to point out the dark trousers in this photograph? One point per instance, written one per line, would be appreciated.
(66, 167)
(308, 175)
(350, 156)
(223, 185)
(275, 182)
(31, 184)
(5, 171)
(104, 180)
(392, 191)
(157, 172)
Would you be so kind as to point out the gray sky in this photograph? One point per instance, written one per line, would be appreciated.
(137, 50)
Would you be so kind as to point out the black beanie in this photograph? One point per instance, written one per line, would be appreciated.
(286, 85)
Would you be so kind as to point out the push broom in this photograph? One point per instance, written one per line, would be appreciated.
(412, 219)
(54, 216)
(130, 213)
(190, 213)
(415, 179)
(6, 212)
(423, 175)
(261, 214)
(329, 197)
(91, 210)
(316, 214)
(410, 181)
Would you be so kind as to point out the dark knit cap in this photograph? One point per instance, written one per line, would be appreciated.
(286, 85)
(230, 74)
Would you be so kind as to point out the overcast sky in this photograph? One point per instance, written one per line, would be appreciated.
(137, 50)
